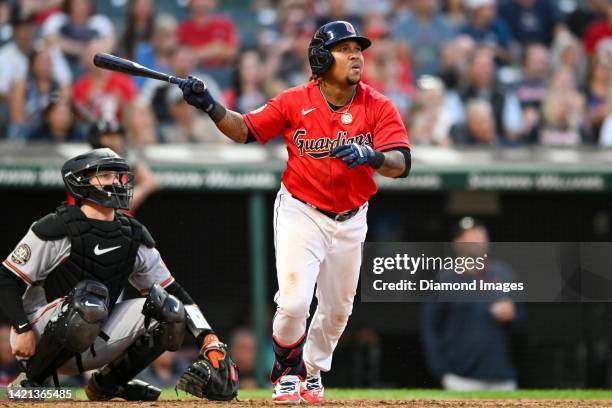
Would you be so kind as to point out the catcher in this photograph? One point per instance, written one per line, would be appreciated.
(61, 284)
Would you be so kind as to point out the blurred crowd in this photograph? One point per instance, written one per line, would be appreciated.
(462, 72)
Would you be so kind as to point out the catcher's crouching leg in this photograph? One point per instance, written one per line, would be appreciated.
(113, 380)
(79, 322)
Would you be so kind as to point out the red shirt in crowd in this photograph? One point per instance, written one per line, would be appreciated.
(217, 28)
(115, 92)
(594, 33)
(310, 130)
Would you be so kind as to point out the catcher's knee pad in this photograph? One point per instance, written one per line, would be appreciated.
(79, 322)
(166, 333)
(169, 313)
(288, 360)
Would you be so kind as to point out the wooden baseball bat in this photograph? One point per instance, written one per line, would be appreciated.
(114, 63)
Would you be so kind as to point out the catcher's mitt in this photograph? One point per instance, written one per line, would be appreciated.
(214, 375)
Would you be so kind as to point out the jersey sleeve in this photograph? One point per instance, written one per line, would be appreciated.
(389, 131)
(149, 268)
(267, 121)
(33, 258)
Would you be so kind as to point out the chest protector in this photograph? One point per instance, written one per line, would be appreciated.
(104, 251)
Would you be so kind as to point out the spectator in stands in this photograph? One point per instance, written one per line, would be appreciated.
(531, 21)
(58, 124)
(337, 10)
(243, 347)
(533, 87)
(182, 64)
(287, 57)
(599, 30)
(111, 134)
(248, 91)
(486, 28)
(424, 31)
(9, 369)
(213, 38)
(563, 111)
(188, 125)
(157, 53)
(597, 91)
(479, 127)
(481, 83)
(429, 121)
(584, 14)
(567, 52)
(102, 93)
(386, 68)
(75, 27)
(14, 55)
(28, 97)
(138, 26)
(454, 13)
(466, 343)
(165, 371)
(140, 126)
(455, 59)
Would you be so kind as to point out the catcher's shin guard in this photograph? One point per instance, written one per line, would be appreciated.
(165, 335)
(288, 360)
(79, 322)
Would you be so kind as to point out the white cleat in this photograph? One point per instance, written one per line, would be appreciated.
(311, 390)
(287, 390)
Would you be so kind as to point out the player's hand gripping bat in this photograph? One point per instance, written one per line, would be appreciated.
(113, 63)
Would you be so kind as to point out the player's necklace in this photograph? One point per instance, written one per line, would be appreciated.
(345, 117)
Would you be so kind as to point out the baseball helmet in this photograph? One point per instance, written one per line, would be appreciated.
(103, 127)
(79, 171)
(319, 55)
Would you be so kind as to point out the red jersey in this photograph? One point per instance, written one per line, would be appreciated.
(594, 33)
(217, 28)
(117, 90)
(310, 129)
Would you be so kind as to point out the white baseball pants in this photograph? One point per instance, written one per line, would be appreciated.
(312, 248)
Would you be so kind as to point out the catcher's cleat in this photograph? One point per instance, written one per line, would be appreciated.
(135, 390)
(287, 390)
(22, 381)
(311, 390)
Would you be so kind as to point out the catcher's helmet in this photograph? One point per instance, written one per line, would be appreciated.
(79, 171)
(319, 56)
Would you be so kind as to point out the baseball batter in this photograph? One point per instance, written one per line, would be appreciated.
(338, 132)
(60, 285)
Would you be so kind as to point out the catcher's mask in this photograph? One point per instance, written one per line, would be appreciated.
(319, 54)
(83, 175)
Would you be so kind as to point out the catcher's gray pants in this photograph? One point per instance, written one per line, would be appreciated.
(124, 325)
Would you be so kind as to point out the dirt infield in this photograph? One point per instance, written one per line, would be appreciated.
(344, 403)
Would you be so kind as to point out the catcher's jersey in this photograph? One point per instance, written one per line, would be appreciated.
(34, 259)
(311, 129)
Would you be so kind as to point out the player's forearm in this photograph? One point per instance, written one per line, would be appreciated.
(232, 125)
(394, 164)
(196, 322)
(11, 290)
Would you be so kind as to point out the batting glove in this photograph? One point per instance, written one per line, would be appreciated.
(202, 100)
(355, 155)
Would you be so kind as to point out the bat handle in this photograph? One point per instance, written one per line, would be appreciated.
(198, 87)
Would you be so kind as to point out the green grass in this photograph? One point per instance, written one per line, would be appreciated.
(417, 394)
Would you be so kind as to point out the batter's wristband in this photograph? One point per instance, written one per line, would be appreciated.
(19, 329)
(217, 113)
(377, 160)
